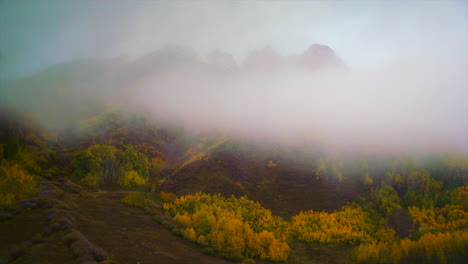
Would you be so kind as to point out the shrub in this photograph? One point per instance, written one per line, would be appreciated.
(131, 178)
(15, 184)
(137, 199)
(91, 180)
(168, 197)
(248, 261)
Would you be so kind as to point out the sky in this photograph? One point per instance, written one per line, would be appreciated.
(408, 62)
(37, 34)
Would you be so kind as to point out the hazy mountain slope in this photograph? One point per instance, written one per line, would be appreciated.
(283, 186)
(66, 92)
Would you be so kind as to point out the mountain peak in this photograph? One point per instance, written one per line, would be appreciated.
(316, 57)
(319, 56)
(265, 58)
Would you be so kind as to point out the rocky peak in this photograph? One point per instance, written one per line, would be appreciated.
(319, 56)
(265, 59)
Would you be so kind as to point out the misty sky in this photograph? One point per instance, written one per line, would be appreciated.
(408, 62)
(36, 34)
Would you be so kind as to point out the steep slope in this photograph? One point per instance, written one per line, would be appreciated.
(66, 92)
(278, 184)
(131, 236)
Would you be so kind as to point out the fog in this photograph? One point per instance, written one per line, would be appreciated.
(396, 107)
(388, 76)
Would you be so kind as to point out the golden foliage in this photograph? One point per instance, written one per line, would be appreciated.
(91, 179)
(368, 180)
(131, 178)
(231, 226)
(271, 164)
(430, 248)
(15, 184)
(460, 196)
(271, 248)
(447, 217)
(167, 197)
(189, 233)
(349, 225)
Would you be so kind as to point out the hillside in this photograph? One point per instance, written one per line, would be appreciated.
(318, 207)
(280, 185)
(61, 95)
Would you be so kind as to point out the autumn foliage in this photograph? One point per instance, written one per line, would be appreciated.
(106, 164)
(448, 217)
(440, 248)
(15, 184)
(349, 225)
(233, 227)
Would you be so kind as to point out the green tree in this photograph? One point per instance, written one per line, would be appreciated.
(387, 200)
(11, 150)
(104, 162)
(131, 178)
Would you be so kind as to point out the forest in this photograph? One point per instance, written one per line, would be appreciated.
(400, 209)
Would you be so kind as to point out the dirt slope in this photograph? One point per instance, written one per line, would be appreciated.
(129, 235)
(284, 188)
